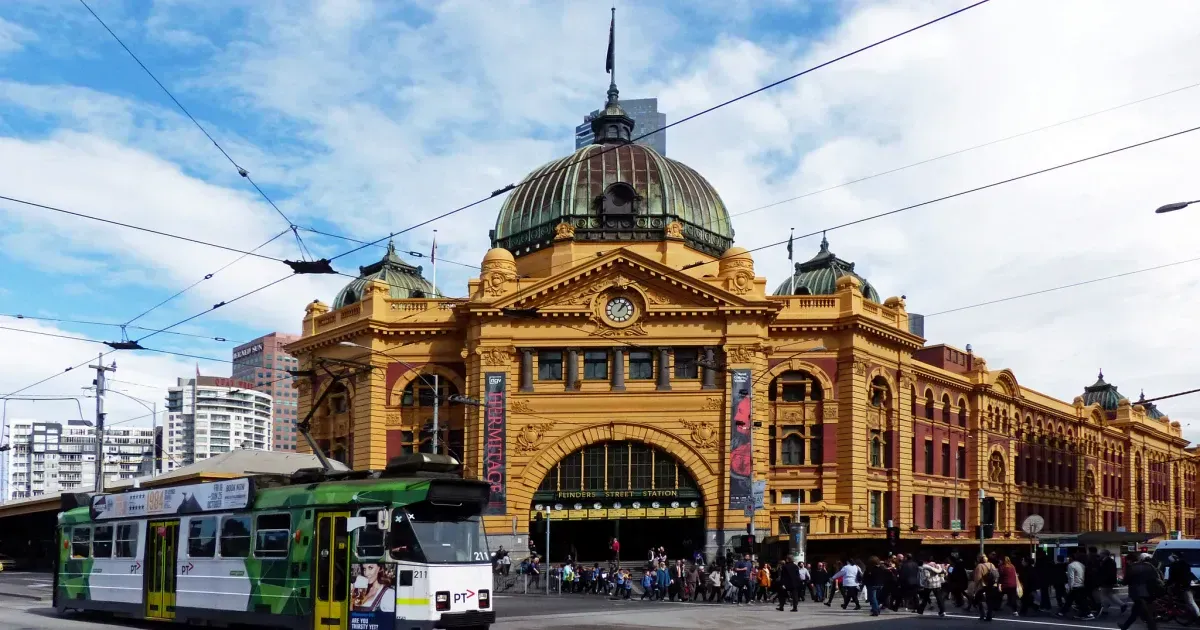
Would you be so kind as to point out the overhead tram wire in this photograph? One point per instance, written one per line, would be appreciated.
(292, 227)
(110, 324)
(381, 245)
(526, 182)
(966, 150)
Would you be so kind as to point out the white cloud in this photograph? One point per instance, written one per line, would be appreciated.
(13, 37)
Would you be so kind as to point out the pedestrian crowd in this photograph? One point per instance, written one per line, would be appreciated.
(1081, 586)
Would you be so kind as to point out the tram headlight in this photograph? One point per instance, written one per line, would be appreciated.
(441, 600)
(485, 599)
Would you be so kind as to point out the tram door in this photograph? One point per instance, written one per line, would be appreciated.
(332, 575)
(162, 538)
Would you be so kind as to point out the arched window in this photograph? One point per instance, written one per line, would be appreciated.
(946, 408)
(996, 468)
(929, 404)
(796, 386)
(876, 451)
(881, 394)
(793, 450)
(962, 412)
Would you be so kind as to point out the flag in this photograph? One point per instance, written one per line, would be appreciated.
(433, 252)
(197, 369)
(793, 230)
(612, 26)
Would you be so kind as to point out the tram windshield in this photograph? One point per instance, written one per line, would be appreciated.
(428, 533)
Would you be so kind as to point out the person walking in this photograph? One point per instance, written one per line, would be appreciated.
(985, 579)
(820, 582)
(874, 579)
(1144, 584)
(1108, 583)
(1008, 583)
(933, 577)
(805, 579)
(789, 583)
(851, 576)
(1077, 595)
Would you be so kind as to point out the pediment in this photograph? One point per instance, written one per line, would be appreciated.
(659, 288)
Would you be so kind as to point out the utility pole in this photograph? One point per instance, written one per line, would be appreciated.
(100, 385)
(437, 402)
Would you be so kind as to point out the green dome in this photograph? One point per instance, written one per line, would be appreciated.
(1104, 394)
(1152, 411)
(819, 276)
(613, 190)
(403, 279)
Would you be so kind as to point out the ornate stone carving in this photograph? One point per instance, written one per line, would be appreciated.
(740, 281)
(495, 356)
(711, 404)
(703, 433)
(829, 410)
(564, 231)
(585, 294)
(604, 330)
(741, 354)
(674, 229)
(655, 297)
(792, 417)
(529, 437)
(520, 406)
(860, 367)
(392, 419)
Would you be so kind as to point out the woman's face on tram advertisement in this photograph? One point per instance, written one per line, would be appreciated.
(371, 572)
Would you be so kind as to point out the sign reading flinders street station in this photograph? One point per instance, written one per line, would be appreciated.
(631, 364)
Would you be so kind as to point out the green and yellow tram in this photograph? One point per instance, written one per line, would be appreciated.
(399, 549)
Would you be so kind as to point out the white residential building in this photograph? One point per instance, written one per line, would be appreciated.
(52, 457)
(209, 415)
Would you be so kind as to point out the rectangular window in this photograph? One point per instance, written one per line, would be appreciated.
(641, 365)
(928, 512)
(945, 513)
(928, 457)
(641, 464)
(570, 472)
(962, 462)
(202, 537)
(961, 514)
(814, 495)
(593, 468)
(664, 473)
(618, 467)
(793, 450)
(235, 537)
(945, 459)
(273, 535)
(127, 540)
(102, 541)
(595, 365)
(876, 508)
(550, 365)
(686, 365)
(772, 446)
(81, 542)
(816, 445)
(790, 497)
(369, 540)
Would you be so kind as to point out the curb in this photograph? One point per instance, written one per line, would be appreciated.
(36, 598)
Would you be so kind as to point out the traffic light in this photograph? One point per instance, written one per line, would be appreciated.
(985, 531)
(893, 536)
(987, 514)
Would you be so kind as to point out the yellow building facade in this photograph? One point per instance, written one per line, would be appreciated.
(635, 378)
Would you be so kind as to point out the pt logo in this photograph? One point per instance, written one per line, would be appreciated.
(460, 598)
(187, 568)
(135, 567)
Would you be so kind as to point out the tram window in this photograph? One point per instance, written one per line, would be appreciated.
(370, 538)
(202, 537)
(127, 540)
(235, 537)
(81, 542)
(273, 535)
(102, 541)
(439, 535)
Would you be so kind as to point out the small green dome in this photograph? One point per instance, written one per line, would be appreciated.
(1152, 411)
(819, 276)
(1105, 394)
(403, 279)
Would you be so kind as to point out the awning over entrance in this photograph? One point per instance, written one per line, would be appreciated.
(589, 513)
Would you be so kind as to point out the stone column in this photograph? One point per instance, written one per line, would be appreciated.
(618, 369)
(572, 368)
(526, 370)
(708, 376)
(664, 370)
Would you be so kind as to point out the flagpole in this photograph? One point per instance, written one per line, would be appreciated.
(791, 264)
(434, 257)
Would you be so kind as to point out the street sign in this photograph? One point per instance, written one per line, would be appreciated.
(956, 525)
(1033, 524)
(760, 490)
(749, 510)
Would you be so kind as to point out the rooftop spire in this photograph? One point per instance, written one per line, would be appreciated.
(610, 62)
(612, 125)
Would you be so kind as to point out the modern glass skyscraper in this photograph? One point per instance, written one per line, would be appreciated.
(646, 118)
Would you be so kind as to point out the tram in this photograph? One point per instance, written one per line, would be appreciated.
(398, 549)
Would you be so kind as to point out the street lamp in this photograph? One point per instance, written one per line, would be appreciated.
(1172, 207)
(153, 409)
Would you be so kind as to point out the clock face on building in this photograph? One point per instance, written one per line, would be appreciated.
(619, 309)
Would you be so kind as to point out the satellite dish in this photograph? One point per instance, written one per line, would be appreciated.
(1033, 524)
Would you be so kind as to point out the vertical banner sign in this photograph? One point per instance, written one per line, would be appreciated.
(741, 460)
(494, 444)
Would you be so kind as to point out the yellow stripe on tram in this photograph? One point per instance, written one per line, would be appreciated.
(412, 601)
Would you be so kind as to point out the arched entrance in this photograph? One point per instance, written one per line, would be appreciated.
(635, 492)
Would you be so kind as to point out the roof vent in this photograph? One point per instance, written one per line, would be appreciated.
(416, 463)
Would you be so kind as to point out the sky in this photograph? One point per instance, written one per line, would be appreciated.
(361, 119)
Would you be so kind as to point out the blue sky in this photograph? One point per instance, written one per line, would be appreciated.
(363, 118)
